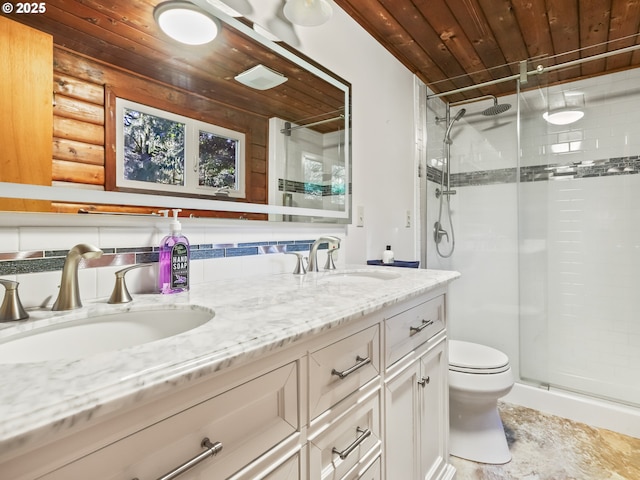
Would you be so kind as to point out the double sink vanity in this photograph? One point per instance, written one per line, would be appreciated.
(328, 375)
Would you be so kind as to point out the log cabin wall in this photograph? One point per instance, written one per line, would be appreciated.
(81, 143)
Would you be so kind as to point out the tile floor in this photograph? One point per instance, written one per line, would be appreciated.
(546, 447)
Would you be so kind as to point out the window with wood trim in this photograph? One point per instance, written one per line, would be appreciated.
(161, 151)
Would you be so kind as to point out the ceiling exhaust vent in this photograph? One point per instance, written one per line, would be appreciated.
(261, 78)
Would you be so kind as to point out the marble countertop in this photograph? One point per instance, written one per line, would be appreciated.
(253, 316)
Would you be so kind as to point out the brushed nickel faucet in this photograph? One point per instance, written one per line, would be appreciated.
(334, 244)
(69, 294)
(300, 268)
(120, 292)
(11, 308)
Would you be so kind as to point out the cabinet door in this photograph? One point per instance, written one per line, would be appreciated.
(289, 470)
(247, 421)
(434, 411)
(402, 433)
(26, 104)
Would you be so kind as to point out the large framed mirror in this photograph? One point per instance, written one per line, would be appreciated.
(278, 152)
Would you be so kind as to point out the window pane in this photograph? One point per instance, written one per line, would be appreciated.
(218, 156)
(313, 178)
(338, 185)
(153, 149)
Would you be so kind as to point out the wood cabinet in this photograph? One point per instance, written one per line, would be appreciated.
(364, 401)
(26, 108)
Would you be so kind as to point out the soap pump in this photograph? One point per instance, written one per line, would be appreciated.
(387, 255)
(174, 258)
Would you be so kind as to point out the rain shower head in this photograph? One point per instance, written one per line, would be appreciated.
(496, 109)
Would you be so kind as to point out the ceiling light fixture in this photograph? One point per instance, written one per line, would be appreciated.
(186, 23)
(563, 116)
(307, 13)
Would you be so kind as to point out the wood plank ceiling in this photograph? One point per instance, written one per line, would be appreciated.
(123, 33)
(452, 44)
(449, 44)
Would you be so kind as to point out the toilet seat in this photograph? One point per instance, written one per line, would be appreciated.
(466, 357)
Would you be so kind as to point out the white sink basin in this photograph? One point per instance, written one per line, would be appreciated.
(84, 337)
(359, 277)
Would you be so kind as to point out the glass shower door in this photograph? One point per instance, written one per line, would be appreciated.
(579, 229)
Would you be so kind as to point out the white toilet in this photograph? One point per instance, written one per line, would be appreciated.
(478, 377)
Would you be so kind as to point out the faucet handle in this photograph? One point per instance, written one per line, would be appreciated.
(11, 308)
(120, 292)
(329, 264)
(300, 268)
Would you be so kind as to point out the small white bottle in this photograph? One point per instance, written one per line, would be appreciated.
(387, 255)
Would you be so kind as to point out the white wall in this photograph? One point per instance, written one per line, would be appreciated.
(383, 135)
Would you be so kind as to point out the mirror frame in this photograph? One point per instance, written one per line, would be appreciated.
(64, 194)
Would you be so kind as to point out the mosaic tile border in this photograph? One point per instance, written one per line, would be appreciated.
(13, 263)
(293, 186)
(576, 170)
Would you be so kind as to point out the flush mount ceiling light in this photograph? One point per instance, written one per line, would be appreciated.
(261, 78)
(563, 116)
(307, 13)
(186, 23)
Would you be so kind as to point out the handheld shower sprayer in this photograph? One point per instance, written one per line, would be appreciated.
(457, 117)
(439, 231)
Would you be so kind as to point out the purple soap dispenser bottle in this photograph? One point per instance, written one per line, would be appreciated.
(173, 275)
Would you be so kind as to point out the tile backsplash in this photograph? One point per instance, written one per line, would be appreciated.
(13, 263)
(34, 255)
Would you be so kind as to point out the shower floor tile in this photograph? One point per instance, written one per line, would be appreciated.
(546, 447)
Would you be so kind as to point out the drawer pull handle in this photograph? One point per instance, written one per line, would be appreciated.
(212, 449)
(424, 381)
(361, 363)
(423, 325)
(364, 434)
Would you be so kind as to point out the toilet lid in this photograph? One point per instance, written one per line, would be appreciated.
(469, 357)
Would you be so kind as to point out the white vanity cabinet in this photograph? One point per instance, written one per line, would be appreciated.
(344, 405)
(242, 423)
(367, 400)
(416, 394)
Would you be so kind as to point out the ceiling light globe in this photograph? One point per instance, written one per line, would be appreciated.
(185, 23)
(563, 117)
(307, 13)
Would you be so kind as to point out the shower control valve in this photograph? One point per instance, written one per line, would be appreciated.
(439, 232)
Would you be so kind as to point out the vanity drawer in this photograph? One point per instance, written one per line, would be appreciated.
(289, 470)
(374, 472)
(247, 420)
(341, 368)
(349, 438)
(407, 330)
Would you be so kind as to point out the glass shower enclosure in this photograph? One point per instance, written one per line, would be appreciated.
(547, 229)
